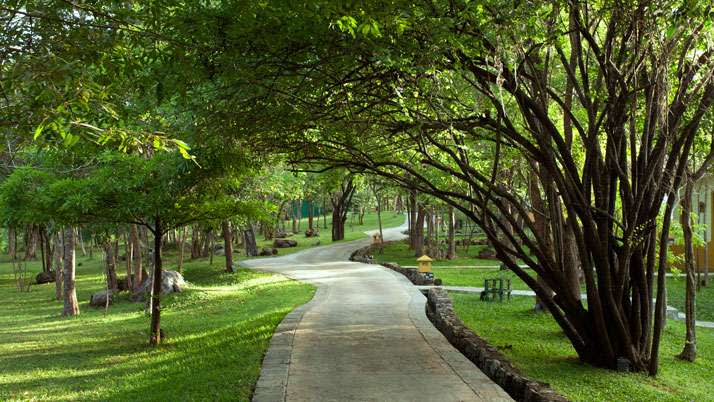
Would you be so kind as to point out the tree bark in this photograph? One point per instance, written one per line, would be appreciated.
(251, 246)
(309, 216)
(419, 232)
(341, 200)
(11, 243)
(110, 265)
(182, 243)
(58, 264)
(228, 245)
(451, 235)
(689, 352)
(136, 255)
(412, 219)
(30, 242)
(155, 337)
(71, 307)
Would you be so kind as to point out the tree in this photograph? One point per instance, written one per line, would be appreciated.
(341, 198)
(502, 81)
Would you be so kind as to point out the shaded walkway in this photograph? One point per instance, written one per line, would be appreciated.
(364, 336)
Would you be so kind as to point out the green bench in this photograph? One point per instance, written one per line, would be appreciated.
(498, 287)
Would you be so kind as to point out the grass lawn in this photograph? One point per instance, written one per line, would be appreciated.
(353, 231)
(538, 348)
(400, 253)
(218, 330)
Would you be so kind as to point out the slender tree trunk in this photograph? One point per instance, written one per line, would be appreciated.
(324, 213)
(11, 243)
(451, 235)
(155, 337)
(195, 243)
(379, 222)
(413, 212)
(129, 254)
(43, 254)
(58, 263)
(30, 242)
(293, 214)
(136, 248)
(110, 264)
(71, 307)
(228, 245)
(689, 352)
(309, 216)
(419, 232)
(182, 243)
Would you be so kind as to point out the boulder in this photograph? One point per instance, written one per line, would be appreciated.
(284, 243)
(312, 233)
(487, 253)
(45, 277)
(280, 234)
(171, 282)
(268, 251)
(99, 299)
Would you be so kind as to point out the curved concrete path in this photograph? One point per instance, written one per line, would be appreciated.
(364, 336)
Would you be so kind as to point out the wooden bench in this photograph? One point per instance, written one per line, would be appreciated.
(496, 287)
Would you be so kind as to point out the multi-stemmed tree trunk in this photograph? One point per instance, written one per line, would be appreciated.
(71, 307)
(690, 343)
(228, 245)
(341, 200)
(451, 234)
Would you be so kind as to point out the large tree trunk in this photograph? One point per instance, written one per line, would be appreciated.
(57, 252)
(155, 337)
(136, 254)
(110, 264)
(30, 242)
(71, 307)
(689, 352)
(451, 235)
(228, 245)
(309, 216)
(251, 246)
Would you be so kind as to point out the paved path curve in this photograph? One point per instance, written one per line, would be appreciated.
(364, 336)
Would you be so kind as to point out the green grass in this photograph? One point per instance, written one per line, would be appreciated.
(353, 231)
(218, 330)
(400, 253)
(540, 350)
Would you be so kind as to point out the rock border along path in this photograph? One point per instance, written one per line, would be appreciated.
(364, 336)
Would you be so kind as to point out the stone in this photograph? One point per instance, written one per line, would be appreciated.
(99, 299)
(487, 254)
(45, 277)
(171, 282)
(280, 235)
(284, 243)
(268, 251)
(312, 233)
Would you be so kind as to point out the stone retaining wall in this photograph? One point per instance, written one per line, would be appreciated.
(364, 255)
(493, 363)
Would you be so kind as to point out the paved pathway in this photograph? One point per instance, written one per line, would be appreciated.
(364, 336)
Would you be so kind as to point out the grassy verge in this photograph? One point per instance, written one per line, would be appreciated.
(353, 231)
(400, 253)
(535, 344)
(218, 330)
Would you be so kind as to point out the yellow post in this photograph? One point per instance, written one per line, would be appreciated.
(424, 263)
